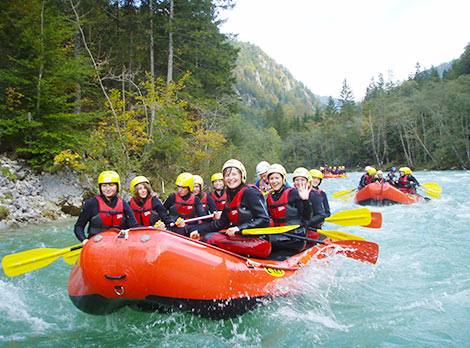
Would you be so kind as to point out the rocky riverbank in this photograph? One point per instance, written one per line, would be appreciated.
(27, 197)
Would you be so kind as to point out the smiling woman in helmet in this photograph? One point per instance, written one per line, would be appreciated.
(317, 178)
(183, 203)
(302, 176)
(287, 206)
(106, 210)
(147, 208)
(218, 195)
(245, 208)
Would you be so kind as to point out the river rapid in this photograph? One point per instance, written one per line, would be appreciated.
(417, 295)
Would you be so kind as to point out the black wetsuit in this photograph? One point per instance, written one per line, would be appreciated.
(252, 202)
(318, 209)
(170, 203)
(296, 212)
(366, 179)
(91, 209)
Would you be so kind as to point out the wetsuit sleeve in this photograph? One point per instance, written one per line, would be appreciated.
(198, 204)
(254, 201)
(211, 207)
(169, 202)
(130, 217)
(412, 178)
(303, 207)
(161, 211)
(318, 212)
(362, 182)
(90, 209)
(326, 205)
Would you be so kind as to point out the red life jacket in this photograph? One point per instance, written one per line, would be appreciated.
(278, 209)
(142, 214)
(317, 190)
(186, 209)
(369, 179)
(403, 181)
(233, 208)
(219, 201)
(110, 217)
(204, 200)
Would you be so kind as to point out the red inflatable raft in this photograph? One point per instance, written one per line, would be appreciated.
(154, 270)
(385, 194)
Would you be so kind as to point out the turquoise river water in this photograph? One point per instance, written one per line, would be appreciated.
(417, 295)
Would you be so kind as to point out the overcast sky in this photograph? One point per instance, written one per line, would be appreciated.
(324, 42)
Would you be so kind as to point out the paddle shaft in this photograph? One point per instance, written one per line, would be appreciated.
(54, 255)
(304, 238)
(195, 219)
(343, 193)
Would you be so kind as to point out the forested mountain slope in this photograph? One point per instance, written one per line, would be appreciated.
(263, 83)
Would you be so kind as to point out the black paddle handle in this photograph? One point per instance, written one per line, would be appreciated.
(76, 248)
(304, 238)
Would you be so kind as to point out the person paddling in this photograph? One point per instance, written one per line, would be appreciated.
(407, 182)
(183, 204)
(245, 208)
(368, 177)
(148, 209)
(106, 210)
(379, 177)
(320, 209)
(287, 206)
(392, 177)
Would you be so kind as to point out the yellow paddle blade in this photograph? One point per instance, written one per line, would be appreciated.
(269, 230)
(347, 197)
(433, 187)
(433, 194)
(72, 256)
(430, 184)
(342, 193)
(338, 235)
(353, 217)
(30, 260)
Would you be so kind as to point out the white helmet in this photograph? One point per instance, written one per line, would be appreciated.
(262, 167)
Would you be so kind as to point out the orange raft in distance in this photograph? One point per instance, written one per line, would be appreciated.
(385, 194)
(333, 176)
(150, 269)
